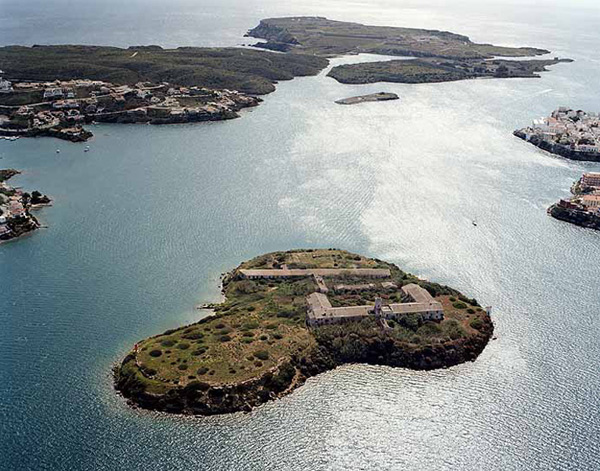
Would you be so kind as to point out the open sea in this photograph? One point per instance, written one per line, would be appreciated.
(143, 225)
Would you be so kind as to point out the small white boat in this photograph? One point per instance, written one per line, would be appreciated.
(58, 151)
(474, 223)
(87, 149)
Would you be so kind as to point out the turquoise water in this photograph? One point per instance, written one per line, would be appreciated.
(144, 224)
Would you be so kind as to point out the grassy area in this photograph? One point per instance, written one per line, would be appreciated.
(245, 70)
(315, 35)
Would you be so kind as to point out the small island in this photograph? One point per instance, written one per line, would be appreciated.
(432, 70)
(573, 134)
(291, 315)
(381, 96)
(583, 208)
(15, 206)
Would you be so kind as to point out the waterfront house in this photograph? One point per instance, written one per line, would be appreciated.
(591, 179)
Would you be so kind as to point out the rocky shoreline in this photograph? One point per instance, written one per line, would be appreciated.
(201, 398)
(557, 149)
(579, 218)
(16, 219)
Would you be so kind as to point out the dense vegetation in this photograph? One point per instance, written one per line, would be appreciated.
(256, 346)
(245, 70)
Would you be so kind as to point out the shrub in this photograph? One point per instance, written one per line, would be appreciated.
(248, 333)
(219, 326)
(262, 355)
(193, 335)
(155, 353)
(202, 371)
(168, 343)
(452, 298)
(199, 351)
(182, 366)
(247, 340)
(224, 338)
(250, 325)
(471, 311)
(258, 363)
(183, 346)
(264, 337)
(277, 336)
(251, 308)
(476, 323)
(459, 305)
(271, 326)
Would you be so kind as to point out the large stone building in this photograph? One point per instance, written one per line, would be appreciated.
(321, 312)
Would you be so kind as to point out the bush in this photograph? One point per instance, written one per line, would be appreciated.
(168, 343)
(471, 311)
(264, 337)
(452, 298)
(277, 336)
(182, 366)
(202, 371)
(271, 326)
(476, 323)
(193, 335)
(224, 338)
(262, 355)
(183, 346)
(459, 305)
(199, 351)
(247, 340)
(155, 353)
(258, 363)
(248, 333)
(219, 326)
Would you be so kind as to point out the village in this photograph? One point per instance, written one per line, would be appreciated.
(572, 134)
(583, 208)
(61, 108)
(15, 218)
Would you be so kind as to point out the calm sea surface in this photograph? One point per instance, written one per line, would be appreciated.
(144, 224)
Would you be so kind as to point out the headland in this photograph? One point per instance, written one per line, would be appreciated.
(442, 56)
(583, 208)
(288, 316)
(54, 90)
(15, 206)
(573, 134)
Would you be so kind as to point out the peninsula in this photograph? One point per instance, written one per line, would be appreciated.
(15, 206)
(443, 56)
(381, 96)
(583, 209)
(54, 90)
(288, 316)
(569, 133)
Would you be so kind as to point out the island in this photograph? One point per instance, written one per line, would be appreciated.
(288, 316)
(573, 134)
(442, 56)
(54, 90)
(15, 206)
(381, 96)
(583, 208)
(431, 70)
